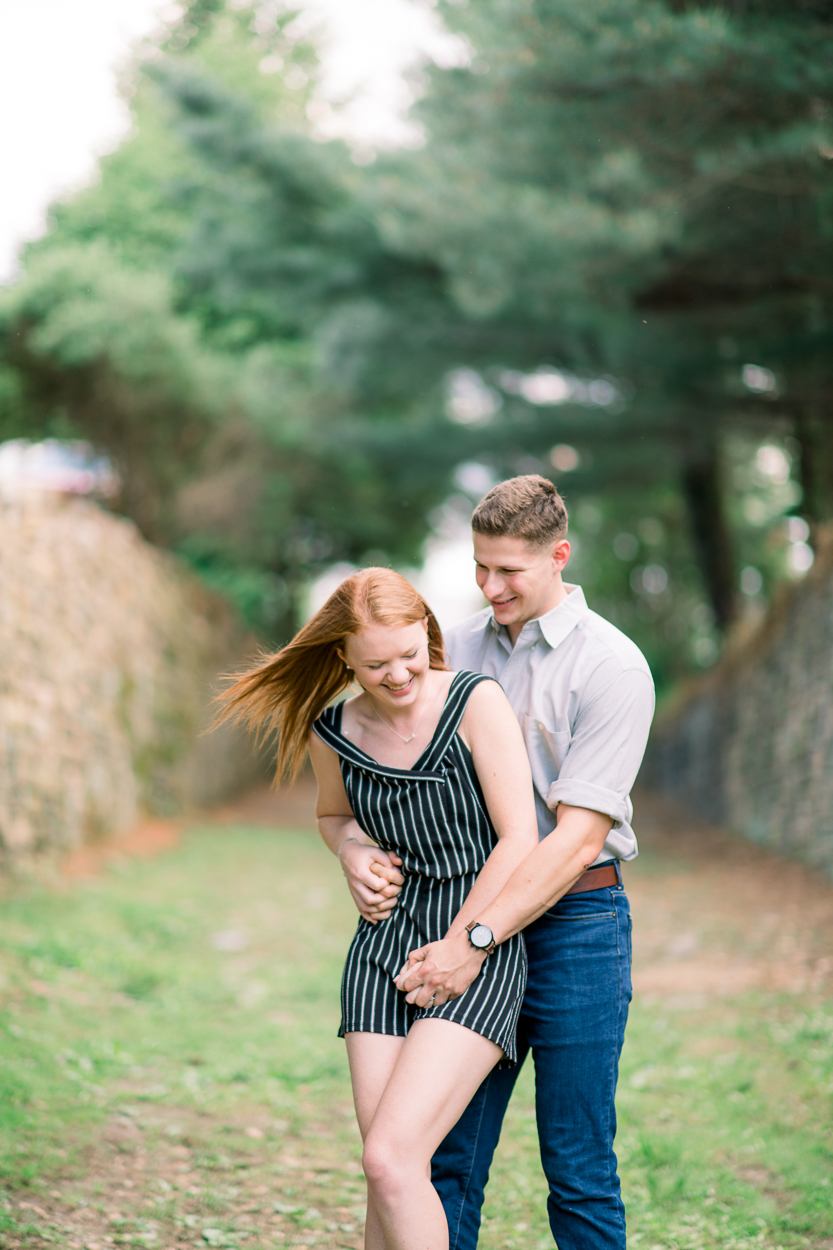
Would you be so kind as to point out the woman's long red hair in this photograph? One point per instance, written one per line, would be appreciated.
(286, 691)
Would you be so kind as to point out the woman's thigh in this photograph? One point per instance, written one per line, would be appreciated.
(372, 1058)
(435, 1074)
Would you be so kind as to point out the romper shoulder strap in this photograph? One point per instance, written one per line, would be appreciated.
(328, 728)
(455, 705)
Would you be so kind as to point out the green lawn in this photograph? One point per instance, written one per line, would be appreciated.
(170, 1075)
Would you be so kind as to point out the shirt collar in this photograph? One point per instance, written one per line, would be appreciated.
(555, 625)
(562, 620)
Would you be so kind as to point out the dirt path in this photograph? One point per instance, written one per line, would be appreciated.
(291, 809)
(714, 916)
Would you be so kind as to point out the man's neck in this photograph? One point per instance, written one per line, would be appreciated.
(560, 593)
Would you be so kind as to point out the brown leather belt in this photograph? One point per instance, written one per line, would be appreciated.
(595, 879)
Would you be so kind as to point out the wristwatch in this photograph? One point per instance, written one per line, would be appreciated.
(481, 937)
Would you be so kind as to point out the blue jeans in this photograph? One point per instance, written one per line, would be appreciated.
(573, 1020)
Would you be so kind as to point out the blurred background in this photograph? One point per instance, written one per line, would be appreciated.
(285, 288)
(289, 286)
(310, 278)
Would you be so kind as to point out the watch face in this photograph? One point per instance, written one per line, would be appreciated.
(481, 936)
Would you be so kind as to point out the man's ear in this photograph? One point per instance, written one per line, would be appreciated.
(561, 554)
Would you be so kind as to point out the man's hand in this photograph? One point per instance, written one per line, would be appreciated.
(373, 878)
(442, 970)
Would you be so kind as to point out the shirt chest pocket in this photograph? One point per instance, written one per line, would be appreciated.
(546, 748)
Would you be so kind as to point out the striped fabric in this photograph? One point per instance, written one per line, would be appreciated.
(434, 816)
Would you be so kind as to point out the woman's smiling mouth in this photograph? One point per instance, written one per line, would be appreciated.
(399, 689)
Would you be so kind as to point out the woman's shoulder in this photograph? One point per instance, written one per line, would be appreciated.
(328, 724)
(333, 715)
(327, 718)
(481, 692)
(469, 680)
(485, 705)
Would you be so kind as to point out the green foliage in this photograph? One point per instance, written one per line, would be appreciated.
(637, 192)
(194, 313)
(629, 151)
(102, 345)
(637, 188)
(140, 204)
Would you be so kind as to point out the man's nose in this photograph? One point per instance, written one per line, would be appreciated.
(492, 586)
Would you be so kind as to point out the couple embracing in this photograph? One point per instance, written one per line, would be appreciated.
(480, 811)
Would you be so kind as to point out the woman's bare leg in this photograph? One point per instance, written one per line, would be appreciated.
(372, 1059)
(435, 1074)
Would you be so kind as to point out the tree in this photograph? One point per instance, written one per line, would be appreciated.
(643, 189)
(101, 348)
(614, 241)
(191, 314)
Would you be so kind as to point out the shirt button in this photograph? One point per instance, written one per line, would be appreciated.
(540, 726)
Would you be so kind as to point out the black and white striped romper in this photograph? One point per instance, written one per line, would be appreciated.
(434, 816)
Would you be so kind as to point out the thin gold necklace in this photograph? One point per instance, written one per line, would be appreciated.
(391, 728)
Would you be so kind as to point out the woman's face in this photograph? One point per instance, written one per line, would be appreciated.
(390, 662)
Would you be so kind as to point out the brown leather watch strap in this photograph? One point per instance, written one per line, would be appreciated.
(594, 879)
(485, 950)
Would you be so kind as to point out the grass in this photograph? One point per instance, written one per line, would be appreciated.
(725, 1132)
(170, 1075)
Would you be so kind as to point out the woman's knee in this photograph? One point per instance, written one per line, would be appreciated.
(388, 1169)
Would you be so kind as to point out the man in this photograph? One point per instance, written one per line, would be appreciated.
(584, 697)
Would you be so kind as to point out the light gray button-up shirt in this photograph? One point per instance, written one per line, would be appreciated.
(584, 696)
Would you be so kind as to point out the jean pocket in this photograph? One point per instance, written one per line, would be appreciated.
(589, 905)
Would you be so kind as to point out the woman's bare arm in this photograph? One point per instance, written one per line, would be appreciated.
(373, 875)
(490, 729)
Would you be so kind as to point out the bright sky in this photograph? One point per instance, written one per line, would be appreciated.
(59, 104)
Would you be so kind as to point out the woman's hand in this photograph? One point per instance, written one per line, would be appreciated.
(373, 878)
(440, 971)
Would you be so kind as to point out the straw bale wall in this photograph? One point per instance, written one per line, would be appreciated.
(751, 745)
(109, 654)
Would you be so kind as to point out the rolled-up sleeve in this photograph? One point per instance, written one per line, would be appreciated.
(606, 748)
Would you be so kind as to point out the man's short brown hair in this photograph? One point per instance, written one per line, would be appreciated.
(527, 507)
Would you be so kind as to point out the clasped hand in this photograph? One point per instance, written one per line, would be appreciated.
(373, 878)
(439, 971)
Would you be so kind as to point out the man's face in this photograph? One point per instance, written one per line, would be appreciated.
(520, 582)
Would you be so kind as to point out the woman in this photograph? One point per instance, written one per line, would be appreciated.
(424, 769)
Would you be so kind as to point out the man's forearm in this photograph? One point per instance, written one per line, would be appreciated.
(535, 885)
(548, 872)
(506, 857)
